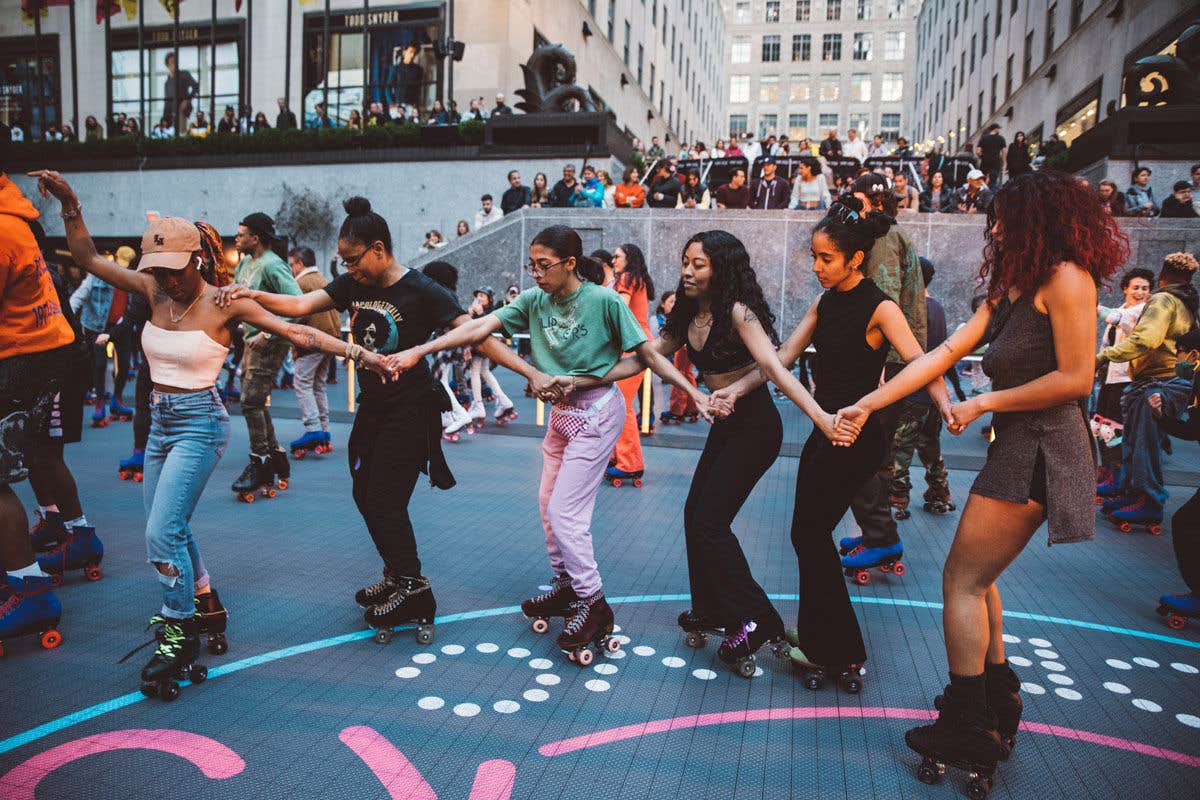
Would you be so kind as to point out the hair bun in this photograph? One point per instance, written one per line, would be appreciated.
(357, 206)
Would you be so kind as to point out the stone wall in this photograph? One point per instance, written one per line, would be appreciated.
(778, 242)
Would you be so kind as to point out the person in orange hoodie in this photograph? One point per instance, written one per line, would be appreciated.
(631, 193)
(636, 288)
(35, 339)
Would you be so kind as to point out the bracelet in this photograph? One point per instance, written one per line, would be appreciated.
(72, 213)
(353, 351)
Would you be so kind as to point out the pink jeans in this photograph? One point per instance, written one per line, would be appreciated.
(571, 472)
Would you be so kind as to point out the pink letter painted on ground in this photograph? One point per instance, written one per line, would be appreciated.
(214, 759)
(493, 780)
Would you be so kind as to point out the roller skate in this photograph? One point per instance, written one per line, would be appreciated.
(618, 476)
(696, 628)
(281, 468)
(48, 532)
(554, 603)
(99, 415)
(131, 468)
(964, 737)
(213, 618)
(1177, 608)
(937, 501)
(455, 424)
(478, 416)
(80, 549)
(506, 415)
(310, 442)
(900, 504)
(1143, 512)
(589, 623)
(1003, 689)
(29, 607)
(118, 411)
(377, 592)
(411, 603)
(738, 649)
(258, 476)
(858, 563)
(849, 677)
(1112, 503)
(849, 543)
(1108, 483)
(325, 437)
(174, 659)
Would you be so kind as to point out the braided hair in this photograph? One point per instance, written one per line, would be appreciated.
(213, 266)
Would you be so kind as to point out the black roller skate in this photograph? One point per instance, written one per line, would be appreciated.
(964, 737)
(377, 592)
(281, 468)
(213, 618)
(589, 623)
(696, 628)
(900, 504)
(258, 476)
(174, 659)
(1003, 689)
(937, 501)
(554, 603)
(849, 677)
(48, 532)
(411, 604)
(738, 648)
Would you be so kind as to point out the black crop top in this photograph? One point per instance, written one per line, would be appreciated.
(714, 358)
(847, 368)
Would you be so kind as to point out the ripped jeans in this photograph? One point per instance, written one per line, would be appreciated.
(188, 435)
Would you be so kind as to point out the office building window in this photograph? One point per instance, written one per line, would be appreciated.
(863, 46)
(797, 126)
(860, 121)
(772, 11)
(895, 9)
(770, 47)
(999, 16)
(831, 47)
(741, 12)
(1008, 78)
(803, 10)
(739, 89)
(625, 52)
(612, 20)
(994, 102)
(1051, 13)
(863, 10)
(801, 46)
(979, 119)
(641, 58)
(829, 89)
(827, 120)
(983, 40)
(768, 89)
(833, 10)
(860, 88)
(737, 124)
(739, 52)
(893, 46)
(652, 82)
(767, 123)
(1076, 14)
(1027, 62)
(892, 87)
(953, 71)
(972, 53)
(800, 89)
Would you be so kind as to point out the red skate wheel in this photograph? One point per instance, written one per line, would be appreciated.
(1099, 500)
(584, 657)
(1125, 527)
(297, 454)
(124, 475)
(283, 484)
(51, 639)
(571, 656)
(616, 482)
(246, 498)
(1155, 530)
(93, 572)
(637, 483)
(137, 477)
(885, 567)
(612, 645)
(269, 492)
(898, 568)
(862, 577)
(1176, 622)
(541, 626)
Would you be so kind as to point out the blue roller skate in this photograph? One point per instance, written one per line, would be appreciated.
(99, 415)
(849, 543)
(48, 532)
(310, 442)
(81, 549)
(131, 468)
(118, 411)
(27, 606)
(858, 562)
(617, 477)
(1142, 511)
(1177, 608)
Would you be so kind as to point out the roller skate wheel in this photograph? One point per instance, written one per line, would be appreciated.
(898, 568)
(541, 625)
(885, 567)
(616, 482)
(169, 691)
(584, 657)
(298, 454)
(852, 684)
(930, 772)
(813, 681)
(383, 636)
(694, 639)
(246, 497)
(424, 634)
(1125, 527)
(612, 645)
(149, 689)
(637, 483)
(1155, 530)
(283, 484)
(1176, 622)
(571, 656)
(271, 493)
(124, 475)
(978, 788)
(137, 477)
(198, 673)
(746, 667)
(781, 649)
(48, 640)
(1099, 500)
(217, 644)
(56, 580)
(903, 513)
(93, 572)
(862, 577)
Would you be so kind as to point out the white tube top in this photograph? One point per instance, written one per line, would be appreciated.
(182, 359)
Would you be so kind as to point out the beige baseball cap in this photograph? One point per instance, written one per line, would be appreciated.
(168, 243)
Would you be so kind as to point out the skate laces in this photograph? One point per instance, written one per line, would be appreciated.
(168, 632)
(579, 614)
(742, 637)
(380, 586)
(858, 549)
(405, 588)
(557, 586)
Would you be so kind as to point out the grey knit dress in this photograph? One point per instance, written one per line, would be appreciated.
(1021, 349)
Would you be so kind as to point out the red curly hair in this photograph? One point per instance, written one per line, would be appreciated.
(1046, 218)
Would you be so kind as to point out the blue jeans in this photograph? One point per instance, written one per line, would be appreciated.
(188, 435)
(1141, 450)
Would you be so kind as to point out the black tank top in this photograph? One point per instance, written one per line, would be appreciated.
(846, 367)
(716, 357)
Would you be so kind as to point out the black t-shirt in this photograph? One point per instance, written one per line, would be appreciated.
(388, 319)
(991, 145)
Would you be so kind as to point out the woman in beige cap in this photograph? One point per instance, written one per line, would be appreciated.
(185, 342)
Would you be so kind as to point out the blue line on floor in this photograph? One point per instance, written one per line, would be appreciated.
(91, 712)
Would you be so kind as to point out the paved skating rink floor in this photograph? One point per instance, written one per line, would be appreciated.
(306, 705)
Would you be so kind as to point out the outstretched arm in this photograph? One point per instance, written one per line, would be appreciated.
(627, 367)
(472, 332)
(83, 249)
(894, 325)
(660, 365)
(285, 305)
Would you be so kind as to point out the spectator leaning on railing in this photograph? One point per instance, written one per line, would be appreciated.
(630, 193)
(735, 194)
(665, 188)
(769, 191)
(488, 213)
(516, 196)
(1179, 204)
(1139, 197)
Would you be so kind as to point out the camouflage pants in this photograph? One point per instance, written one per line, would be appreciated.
(919, 429)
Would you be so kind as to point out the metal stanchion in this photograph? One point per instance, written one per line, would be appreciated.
(646, 402)
(541, 413)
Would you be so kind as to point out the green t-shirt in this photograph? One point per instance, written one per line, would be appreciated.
(584, 333)
(267, 273)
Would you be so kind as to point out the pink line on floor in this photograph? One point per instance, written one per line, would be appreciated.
(493, 780)
(625, 732)
(214, 759)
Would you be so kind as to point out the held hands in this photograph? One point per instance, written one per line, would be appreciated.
(400, 362)
(721, 402)
(379, 365)
(845, 426)
(227, 294)
(962, 415)
(551, 388)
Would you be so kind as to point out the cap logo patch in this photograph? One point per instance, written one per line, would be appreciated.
(158, 240)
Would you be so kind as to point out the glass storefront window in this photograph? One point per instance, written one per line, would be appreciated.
(196, 65)
(19, 87)
(1082, 120)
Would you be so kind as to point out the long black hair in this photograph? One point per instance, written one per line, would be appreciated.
(636, 270)
(733, 281)
(442, 272)
(851, 230)
(363, 226)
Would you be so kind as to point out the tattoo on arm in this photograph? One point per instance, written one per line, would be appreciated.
(749, 316)
(946, 345)
(310, 340)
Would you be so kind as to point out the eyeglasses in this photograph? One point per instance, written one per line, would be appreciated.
(541, 269)
(348, 263)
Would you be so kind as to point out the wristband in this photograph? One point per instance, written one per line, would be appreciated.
(72, 213)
